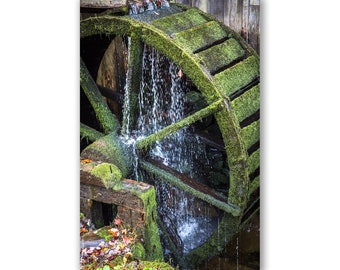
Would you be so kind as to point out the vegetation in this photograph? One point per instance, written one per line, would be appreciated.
(114, 247)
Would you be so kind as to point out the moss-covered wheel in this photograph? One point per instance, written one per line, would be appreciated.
(221, 73)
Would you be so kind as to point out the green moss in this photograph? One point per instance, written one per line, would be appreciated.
(89, 133)
(247, 104)
(237, 156)
(154, 265)
(251, 134)
(238, 76)
(103, 232)
(179, 21)
(230, 32)
(125, 10)
(200, 36)
(254, 161)
(151, 237)
(108, 173)
(107, 25)
(138, 251)
(254, 185)
(222, 54)
(111, 150)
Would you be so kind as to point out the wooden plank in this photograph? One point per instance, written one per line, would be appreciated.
(247, 104)
(201, 36)
(217, 9)
(202, 5)
(245, 20)
(221, 55)
(103, 4)
(238, 10)
(254, 185)
(179, 21)
(254, 27)
(254, 2)
(109, 196)
(253, 161)
(251, 134)
(238, 76)
(226, 10)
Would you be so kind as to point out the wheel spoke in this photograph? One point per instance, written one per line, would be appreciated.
(89, 133)
(175, 181)
(104, 115)
(134, 74)
(209, 110)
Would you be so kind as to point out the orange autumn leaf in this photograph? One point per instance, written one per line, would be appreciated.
(86, 161)
(114, 232)
(83, 230)
(126, 239)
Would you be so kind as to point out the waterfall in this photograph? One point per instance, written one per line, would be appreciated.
(162, 102)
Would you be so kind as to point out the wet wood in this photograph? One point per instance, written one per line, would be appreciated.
(119, 196)
(113, 4)
(188, 181)
(112, 73)
(130, 208)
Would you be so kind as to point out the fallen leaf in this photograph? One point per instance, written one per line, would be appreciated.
(83, 230)
(126, 239)
(114, 232)
(128, 254)
(118, 221)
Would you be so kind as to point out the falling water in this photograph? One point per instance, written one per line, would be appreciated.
(237, 252)
(127, 138)
(147, 5)
(126, 107)
(162, 102)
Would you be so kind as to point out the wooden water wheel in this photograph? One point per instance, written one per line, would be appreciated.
(224, 72)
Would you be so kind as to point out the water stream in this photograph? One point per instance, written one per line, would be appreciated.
(162, 102)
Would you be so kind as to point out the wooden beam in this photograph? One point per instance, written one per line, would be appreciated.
(171, 177)
(209, 110)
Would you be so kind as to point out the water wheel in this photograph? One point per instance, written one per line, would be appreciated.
(221, 75)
